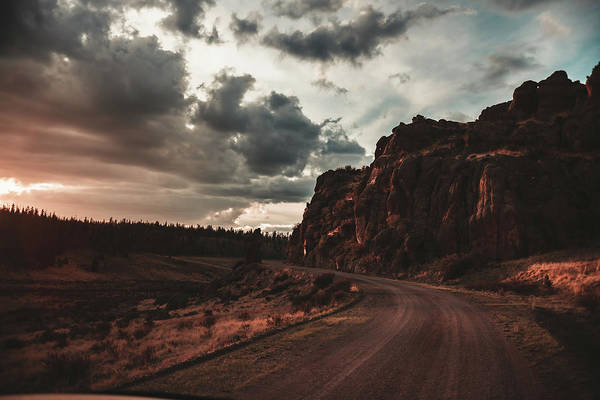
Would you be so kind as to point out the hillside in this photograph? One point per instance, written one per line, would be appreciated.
(523, 178)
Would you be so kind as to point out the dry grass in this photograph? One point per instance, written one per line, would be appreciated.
(573, 274)
(127, 329)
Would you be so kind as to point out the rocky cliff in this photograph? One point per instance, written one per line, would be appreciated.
(521, 179)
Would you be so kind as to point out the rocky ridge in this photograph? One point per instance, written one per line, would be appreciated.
(521, 179)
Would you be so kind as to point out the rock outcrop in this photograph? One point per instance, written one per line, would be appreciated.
(521, 179)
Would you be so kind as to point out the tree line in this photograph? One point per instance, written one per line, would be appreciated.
(35, 238)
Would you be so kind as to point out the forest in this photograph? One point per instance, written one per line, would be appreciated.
(33, 238)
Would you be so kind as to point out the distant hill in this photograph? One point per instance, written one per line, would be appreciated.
(521, 179)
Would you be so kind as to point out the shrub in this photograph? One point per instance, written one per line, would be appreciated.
(149, 355)
(302, 301)
(344, 285)
(244, 316)
(589, 298)
(324, 280)
(185, 324)
(227, 295)
(67, 371)
(80, 330)
(61, 341)
(124, 322)
(13, 343)
(142, 331)
(487, 284)
(178, 300)
(50, 335)
(520, 287)
(322, 298)
(274, 321)
(174, 301)
(103, 329)
(280, 287)
(145, 357)
(209, 320)
(244, 331)
(282, 277)
(456, 265)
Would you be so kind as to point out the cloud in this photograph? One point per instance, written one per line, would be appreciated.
(354, 40)
(186, 16)
(459, 116)
(551, 27)
(518, 5)
(338, 142)
(272, 133)
(268, 189)
(297, 9)
(271, 217)
(400, 77)
(34, 28)
(328, 85)
(498, 68)
(245, 28)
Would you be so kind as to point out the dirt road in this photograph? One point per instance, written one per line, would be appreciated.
(406, 342)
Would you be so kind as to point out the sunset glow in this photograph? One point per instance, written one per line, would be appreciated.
(10, 186)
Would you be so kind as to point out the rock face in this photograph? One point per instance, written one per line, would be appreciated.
(523, 178)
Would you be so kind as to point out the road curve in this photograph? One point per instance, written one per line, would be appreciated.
(418, 343)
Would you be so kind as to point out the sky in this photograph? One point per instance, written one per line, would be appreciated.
(225, 112)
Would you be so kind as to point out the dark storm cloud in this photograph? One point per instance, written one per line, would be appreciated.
(337, 141)
(328, 85)
(296, 9)
(498, 68)
(342, 145)
(35, 28)
(70, 94)
(115, 88)
(186, 17)
(124, 78)
(223, 110)
(500, 65)
(245, 28)
(133, 78)
(353, 40)
(274, 135)
(274, 189)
